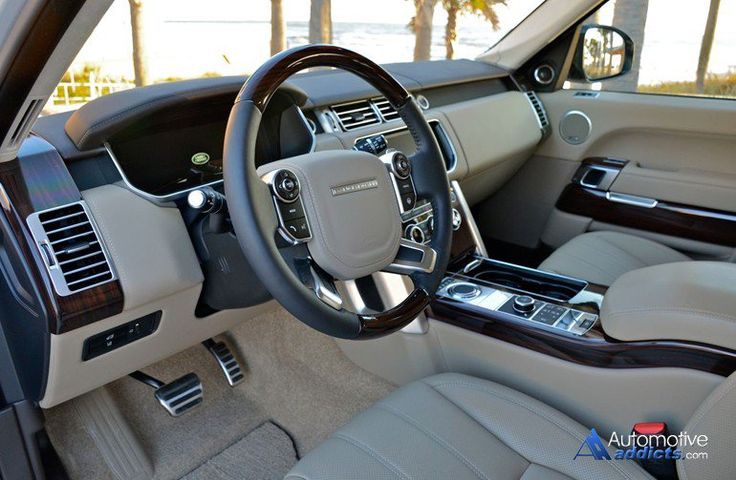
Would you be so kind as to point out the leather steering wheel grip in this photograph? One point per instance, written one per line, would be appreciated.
(254, 217)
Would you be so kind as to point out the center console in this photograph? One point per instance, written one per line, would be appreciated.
(560, 316)
(544, 300)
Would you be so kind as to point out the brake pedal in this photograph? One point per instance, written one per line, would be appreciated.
(176, 397)
(226, 360)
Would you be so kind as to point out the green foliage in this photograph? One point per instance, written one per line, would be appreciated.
(716, 85)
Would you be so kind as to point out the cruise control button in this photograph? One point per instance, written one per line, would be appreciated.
(297, 228)
(291, 211)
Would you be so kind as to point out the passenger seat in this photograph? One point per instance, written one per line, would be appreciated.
(602, 257)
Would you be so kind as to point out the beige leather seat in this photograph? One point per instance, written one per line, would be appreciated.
(457, 427)
(602, 257)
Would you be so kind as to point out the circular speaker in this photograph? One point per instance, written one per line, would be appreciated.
(544, 74)
(575, 127)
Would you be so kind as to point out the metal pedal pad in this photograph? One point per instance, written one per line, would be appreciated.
(226, 360)
(181, 395)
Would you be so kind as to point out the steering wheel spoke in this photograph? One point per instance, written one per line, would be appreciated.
(413, 257)
(320, 283)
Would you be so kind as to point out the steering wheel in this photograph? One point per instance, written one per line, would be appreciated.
(306, 221)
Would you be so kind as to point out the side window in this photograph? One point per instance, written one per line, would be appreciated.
(681, 47)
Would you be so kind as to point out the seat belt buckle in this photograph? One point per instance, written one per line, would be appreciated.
(656, 434)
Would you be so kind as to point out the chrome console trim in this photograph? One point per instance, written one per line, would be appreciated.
(633, 200)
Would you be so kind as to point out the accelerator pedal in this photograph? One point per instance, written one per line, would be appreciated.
(226, 360)
(176, 397)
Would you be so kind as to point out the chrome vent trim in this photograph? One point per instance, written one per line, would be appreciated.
(356, 114)
(384, 107)
(540, 112)
(71, 248)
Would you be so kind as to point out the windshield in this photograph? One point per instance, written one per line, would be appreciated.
(140, 42)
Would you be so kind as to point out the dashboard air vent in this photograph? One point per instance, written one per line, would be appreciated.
(540, 111)
(356, 115)
(71, 248)
(387, 111)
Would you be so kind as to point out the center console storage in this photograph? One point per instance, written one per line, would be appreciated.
(526, 280)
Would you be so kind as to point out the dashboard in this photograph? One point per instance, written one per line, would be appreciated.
(130, 159)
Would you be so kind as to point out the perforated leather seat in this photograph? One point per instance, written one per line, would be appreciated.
(457, 427)
(602, 257)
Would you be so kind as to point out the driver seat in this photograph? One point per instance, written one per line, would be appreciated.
(456, 427)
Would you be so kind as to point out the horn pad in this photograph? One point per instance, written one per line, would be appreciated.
(352, 210)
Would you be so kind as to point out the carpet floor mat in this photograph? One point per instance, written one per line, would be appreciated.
(265, 453)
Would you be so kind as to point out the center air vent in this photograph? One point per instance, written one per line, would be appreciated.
(387, 111)
(71, 248)
(540, 112)
(356, 114)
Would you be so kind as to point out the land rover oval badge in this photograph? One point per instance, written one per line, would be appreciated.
(200, 158)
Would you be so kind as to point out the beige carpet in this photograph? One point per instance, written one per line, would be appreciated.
(294, 376)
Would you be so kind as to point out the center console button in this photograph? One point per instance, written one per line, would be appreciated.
(463, 291)
(524, 304)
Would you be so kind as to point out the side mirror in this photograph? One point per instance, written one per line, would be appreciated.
(603, 52)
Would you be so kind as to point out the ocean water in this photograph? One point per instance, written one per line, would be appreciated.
(190, 48)
(186, 46)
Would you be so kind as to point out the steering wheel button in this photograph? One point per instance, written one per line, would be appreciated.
(291, 211)
(408, 201)
(298, 228)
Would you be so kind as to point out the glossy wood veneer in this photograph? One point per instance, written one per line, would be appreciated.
(595, 349)
(37, 182)
(705, 225)
(264, 82)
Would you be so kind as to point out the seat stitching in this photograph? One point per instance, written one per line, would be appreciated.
(413, 422)
(575, 256)
(526, 407)
(371, 452)
(602, 239)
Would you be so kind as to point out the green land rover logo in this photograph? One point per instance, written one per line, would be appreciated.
(200, 158)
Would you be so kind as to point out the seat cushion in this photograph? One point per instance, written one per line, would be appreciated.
(457, 427)
(602, 257)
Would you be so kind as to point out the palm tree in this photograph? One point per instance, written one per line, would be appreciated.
(320, 22)
(278, 27)
(137, 27)
(707, 45)
(631, 17)
(483, 8)
(421, 25)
